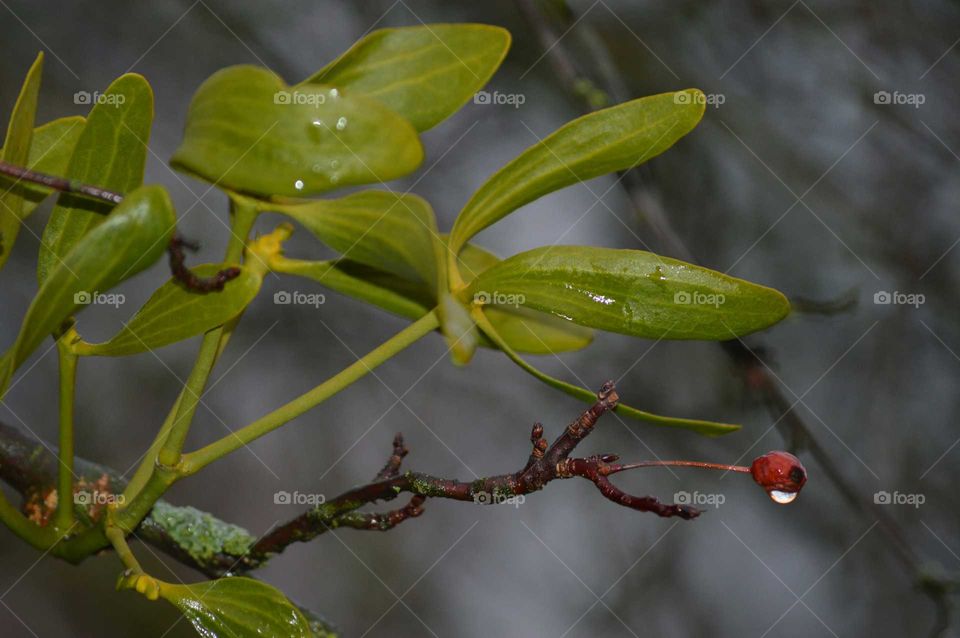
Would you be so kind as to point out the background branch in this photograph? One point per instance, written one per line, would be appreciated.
(550, 19)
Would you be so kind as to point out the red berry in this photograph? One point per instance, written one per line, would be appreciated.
(781, 474)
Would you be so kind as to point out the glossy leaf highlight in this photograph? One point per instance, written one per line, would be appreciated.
(424, 73)
(237, 607)
(250, 132)
(634, 292)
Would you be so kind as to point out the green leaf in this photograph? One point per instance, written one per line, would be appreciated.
(614, 139)
(390, 231)
(111, 153)
(382, 289)
(16, 150)
(706, 428)
(250, 132)
(174, 313)
(237, 607)
(133, 236)
(424, 73)
(52, 147)
(524, 329)
(633, 292)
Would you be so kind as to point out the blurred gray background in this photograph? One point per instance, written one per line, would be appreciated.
(878, 185)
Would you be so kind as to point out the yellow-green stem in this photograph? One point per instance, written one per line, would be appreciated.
(118, 539)
(244, 215)
(63, 518)
(195, 461)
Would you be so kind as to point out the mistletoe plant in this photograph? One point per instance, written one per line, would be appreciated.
(271, 146)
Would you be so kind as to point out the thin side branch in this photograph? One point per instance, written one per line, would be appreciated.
(175, 247)
(546, 464)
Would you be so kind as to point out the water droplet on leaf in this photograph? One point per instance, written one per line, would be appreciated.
(298, 184)
(341, 123)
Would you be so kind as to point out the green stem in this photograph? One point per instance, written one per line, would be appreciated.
(63, 518)
(39, 537)
(195, 461)
(140, 477)
(118, 539)
(244, 216)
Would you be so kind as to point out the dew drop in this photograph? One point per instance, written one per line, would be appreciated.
(298, 184)
(317, 168)
(334, 93)
(782, 497)
(335, 164)
(341, 123)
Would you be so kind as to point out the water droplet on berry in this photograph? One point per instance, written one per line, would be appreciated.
(782, 497)
(781, 474)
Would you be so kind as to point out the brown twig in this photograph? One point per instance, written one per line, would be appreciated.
(546, 464)
(177, 258)
(187, 277)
